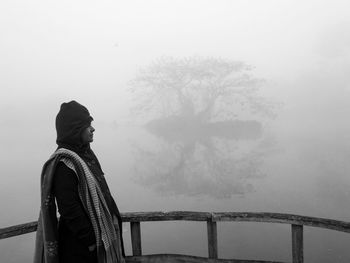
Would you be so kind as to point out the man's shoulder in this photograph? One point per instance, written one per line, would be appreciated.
(64, 174)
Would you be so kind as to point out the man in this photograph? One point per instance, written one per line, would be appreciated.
(89, 229)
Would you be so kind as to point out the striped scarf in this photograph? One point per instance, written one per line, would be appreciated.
(105, 225)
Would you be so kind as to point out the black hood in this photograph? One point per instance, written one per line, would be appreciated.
(71, 120)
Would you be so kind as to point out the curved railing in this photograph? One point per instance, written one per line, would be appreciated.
(296, 221)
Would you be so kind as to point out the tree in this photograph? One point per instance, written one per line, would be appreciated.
(198, 108)
(198, 89)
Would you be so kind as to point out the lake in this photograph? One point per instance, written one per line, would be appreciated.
(286, 167)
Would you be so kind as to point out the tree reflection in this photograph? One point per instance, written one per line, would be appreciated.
(202, 165)
(203, 147)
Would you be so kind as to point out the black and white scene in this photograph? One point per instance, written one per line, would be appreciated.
(175, 131)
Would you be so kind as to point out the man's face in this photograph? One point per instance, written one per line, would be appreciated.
(87, 135)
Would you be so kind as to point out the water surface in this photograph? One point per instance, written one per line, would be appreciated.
(283, 168)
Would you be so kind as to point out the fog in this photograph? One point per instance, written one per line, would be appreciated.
(93, 51)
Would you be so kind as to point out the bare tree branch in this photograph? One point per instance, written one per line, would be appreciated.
(198, 87)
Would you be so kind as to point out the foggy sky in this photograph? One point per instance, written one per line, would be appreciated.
(89, 50)
(56, 51)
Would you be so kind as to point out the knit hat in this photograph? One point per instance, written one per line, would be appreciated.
(71, 120)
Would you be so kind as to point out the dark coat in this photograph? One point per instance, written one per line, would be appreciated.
(75, 231)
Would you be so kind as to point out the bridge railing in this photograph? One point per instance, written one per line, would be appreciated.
(297, 223)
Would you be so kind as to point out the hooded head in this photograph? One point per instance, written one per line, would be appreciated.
(71, 120)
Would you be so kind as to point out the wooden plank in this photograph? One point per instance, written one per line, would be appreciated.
(204, 216)
(297, 244)
(284, 219)
(174, 258)
(165, 216)
(212, 239)
(238, 217)
(18, 230)
(136, 238)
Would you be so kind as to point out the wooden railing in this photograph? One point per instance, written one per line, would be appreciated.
(297, 223)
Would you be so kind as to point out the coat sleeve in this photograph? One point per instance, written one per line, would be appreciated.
(69, 204)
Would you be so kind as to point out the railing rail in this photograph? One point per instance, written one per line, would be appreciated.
(296, 221)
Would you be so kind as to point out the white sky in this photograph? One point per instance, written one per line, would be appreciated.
(56, 51)
(53, 51)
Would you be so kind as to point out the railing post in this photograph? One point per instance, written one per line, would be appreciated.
(136, 238)
(297, 244)
(212, 239)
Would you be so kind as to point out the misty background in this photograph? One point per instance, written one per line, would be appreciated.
(156, 152)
